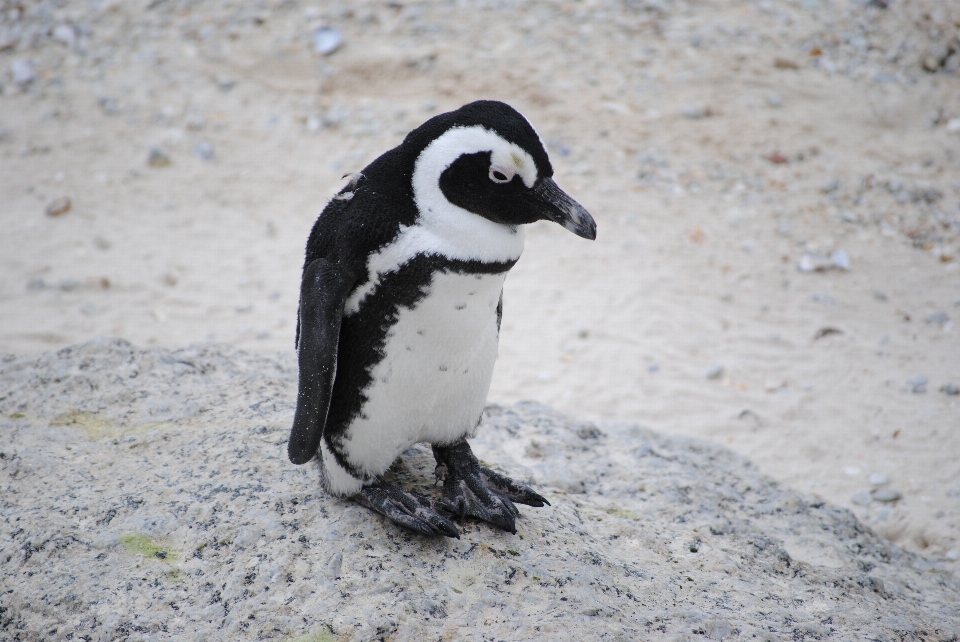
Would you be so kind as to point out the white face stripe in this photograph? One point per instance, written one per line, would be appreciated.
(456, 142)
(442, 227)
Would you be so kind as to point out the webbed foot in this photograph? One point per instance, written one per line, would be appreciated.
(412, 511)
(477, 491)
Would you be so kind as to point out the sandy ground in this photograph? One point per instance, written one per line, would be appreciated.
(724, 148)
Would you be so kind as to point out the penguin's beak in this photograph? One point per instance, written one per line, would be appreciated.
(553, 204)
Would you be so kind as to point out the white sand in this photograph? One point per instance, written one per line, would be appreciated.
(657, 120)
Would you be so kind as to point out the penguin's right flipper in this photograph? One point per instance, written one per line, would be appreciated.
(323, 293)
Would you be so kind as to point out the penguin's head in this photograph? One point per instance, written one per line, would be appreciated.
(487, 159)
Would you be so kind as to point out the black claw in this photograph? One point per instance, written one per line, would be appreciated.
(478, 491)
(520, 493)
(409, 510)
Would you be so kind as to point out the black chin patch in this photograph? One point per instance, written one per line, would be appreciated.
(466, 183)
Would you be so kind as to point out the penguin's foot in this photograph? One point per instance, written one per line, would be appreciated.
(477, 491)
(410, 510)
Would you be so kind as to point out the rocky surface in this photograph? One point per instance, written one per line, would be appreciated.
(146, 495)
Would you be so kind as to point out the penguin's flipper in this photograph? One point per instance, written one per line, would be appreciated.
(323, 293)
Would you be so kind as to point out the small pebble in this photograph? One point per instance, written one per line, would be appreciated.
(65, 34)
(203, 150)
(840, 259)
(326, 40)
(879, 295)
(157, 158)
(886, 495)
(695, 113)
(22, 72)
(938, 318)
(830, 186)
(917, 384)
(59, 206)
(861, 498)
(774, 101)
(713, 372)
(953, 555)
(878, 479)
(950, 389)
(225, 83)
(884, 513)
(851, 471)
(655, 367)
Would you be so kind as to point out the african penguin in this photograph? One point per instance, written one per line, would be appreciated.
(400, 308)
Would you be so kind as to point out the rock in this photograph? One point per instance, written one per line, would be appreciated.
(58, 206)
(179, 456)
(327, 40)
(950, 389)
(776, 158)
(813, 262)
(696, 113)
(830, 186)
(774, 101)
(861, 498)
(917, 384)
(840, 260)
(65, 34)
(157, 158)
(713, 372)
(826, 332)
(938, 318)
(886, 495)
(878, 479)
(22, 72)
(225, 83)
(785, 63)
(203, 150)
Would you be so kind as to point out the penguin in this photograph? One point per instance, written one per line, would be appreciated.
(400, 306)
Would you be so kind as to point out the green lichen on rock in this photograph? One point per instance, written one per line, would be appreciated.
(138, 544)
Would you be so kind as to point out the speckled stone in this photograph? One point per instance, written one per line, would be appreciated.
(146, 494)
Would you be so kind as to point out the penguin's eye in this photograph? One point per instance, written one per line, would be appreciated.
(500, 175)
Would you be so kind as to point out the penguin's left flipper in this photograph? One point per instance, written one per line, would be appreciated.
(323, 293)
(478, 491)
(413, 511)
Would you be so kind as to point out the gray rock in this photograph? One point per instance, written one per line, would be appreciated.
(917, 384)
(886, 495)
(179, 456)
(950, 389)
(327, 40)
(203, 150)
(22, 72)
(938, 318)
(65, 34)
(840, 260)
(714, 372)
(861, 498)
(878, 479)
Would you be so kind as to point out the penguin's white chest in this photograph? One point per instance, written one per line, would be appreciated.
(432, 383)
